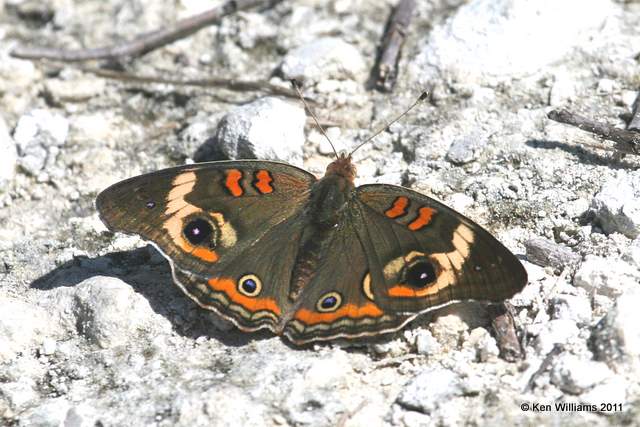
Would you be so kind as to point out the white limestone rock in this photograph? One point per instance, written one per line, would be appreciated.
(576, 375)
(8, 155)
(39, 136)
(617, 205)
(430, 390)
(616, 338)
(485, 39)
(606, 276)
(268, 129)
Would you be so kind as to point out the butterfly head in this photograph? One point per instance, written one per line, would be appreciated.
(342, 166)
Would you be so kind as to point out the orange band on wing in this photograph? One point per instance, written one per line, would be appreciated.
(425, 216)
(311, 317)
(263, 182)
(399, 207)
(233, 182)
(409, 292)
(205, 254)
(197, 251)
(228, 286)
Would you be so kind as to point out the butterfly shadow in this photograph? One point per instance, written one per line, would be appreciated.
(149, 274)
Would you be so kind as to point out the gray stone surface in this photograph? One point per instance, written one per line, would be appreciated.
(617, 205)
(606, 276)
(93, 332)
(39, 136)
(269, 129)
(545, 252)
(428, 389)
(613, 339)
(426, 344)
(573, 307)
(322, 59)
(466, 149)
(22, 327)
(576, 375)
(107, 312)
(486, 38)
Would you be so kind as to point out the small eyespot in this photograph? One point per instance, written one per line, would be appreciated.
(150, 204)
(329, 302)
(198, 231)
(249, 285)
(420, 274)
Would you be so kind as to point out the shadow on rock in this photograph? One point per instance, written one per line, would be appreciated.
(149, 274)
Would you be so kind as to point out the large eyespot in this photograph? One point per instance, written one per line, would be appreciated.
(329, 302)
(420, 273)
(199, 231)
(249, 285)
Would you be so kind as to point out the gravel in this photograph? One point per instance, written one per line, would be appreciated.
(92, 330)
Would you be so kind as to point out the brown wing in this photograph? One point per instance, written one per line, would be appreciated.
(337, 302)
(227, 228)
(423, 254)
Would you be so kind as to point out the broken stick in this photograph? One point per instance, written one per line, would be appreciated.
(385, 72)
(146, 42)
(628, 140)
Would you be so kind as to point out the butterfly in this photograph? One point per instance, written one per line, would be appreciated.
(267, 245)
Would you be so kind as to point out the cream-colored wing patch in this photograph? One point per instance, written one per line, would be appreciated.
(445, 264)
(178, 210)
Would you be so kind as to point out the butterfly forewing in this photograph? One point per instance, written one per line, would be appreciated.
(426, 255)
(202, 216)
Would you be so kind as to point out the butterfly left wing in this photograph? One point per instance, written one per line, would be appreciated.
(394, 254)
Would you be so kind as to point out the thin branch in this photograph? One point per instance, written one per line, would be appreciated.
(230, 84)
(385, 72)
(629, 139)
(146, 42)
(634, 123)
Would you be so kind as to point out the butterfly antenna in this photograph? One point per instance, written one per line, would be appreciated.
(294, 83)
(421, 98)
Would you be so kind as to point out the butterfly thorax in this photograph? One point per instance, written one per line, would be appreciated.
(329, 198)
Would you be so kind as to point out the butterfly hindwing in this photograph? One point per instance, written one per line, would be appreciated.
(337, 302)
(251, 290)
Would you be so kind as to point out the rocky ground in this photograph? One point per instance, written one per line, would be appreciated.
(92, 331)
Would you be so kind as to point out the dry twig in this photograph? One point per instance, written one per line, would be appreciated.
(230, 84)
(146, 42)
(385, 72)
(634, 123)
(628, 140)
